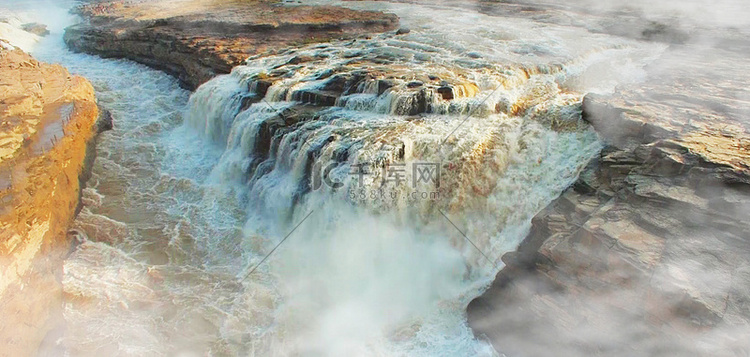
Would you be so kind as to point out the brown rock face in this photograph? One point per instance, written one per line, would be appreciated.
(48, 120)
(649, 251)
(196, 40)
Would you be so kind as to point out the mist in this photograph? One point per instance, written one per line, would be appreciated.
(593, 201)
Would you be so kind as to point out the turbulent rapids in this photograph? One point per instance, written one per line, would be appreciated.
(191, 192)
(377, 264)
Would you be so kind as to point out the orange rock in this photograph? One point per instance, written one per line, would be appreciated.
(42, 169)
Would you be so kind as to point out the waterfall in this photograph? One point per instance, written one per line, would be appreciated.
(312, 138)
(284, 118)
(189, 196)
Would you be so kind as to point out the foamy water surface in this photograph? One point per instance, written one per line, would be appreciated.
(174, 227)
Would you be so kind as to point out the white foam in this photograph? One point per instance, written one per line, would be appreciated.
(372, 278)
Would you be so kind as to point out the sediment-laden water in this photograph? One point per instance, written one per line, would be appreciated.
(190, 193)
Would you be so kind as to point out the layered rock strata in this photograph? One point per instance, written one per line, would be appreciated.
(196, 40)
(648, 251)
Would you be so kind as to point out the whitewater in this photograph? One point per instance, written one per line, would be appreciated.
(188, 198)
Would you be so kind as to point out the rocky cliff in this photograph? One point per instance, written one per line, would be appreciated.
(647, 254)
(48, 119)
(196, 40)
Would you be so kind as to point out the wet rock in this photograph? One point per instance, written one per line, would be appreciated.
(316, 97)
(403, 31)
(36, 28)
(247, 101)
(384, 85)
(300, 59)
(260, 87)
(446, 92)
(105, 121)
(353, 54)
(413, 92)
(416, 104)
(337, 83)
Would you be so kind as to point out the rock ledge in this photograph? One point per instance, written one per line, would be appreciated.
(195, 40)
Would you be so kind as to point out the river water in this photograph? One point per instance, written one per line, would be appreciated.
(186, 199)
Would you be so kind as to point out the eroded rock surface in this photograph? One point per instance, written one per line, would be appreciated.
(196, 40)
(48, 119)
(648, 253)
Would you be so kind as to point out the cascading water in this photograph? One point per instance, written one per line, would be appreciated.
(180, 214)
(385, 274)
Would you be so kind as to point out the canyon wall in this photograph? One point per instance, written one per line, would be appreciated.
(48, 121)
